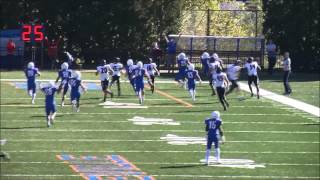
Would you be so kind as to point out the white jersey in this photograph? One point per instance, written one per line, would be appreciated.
(213, 69)
(116, 67)
(150, 68)
(287, 64)
(104, 72)
(252, 68)
(233, 71)
(220, 80)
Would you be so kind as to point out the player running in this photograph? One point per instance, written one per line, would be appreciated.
(138, 76)
(75, 82)
(116, 67)
(65, 75)
(129, 70)
(205, 60)
(182, 62)
(31, 73)
(233, 72)
(191, 75)
(49, 91)
(152, 71)
(214, 135)
(252, 68)
(221, 82)
(214, 64)
(104, 70)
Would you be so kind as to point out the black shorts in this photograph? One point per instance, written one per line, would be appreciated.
(234, 84)
(253, 79)
(115, 78)
(104, 84)
(221, 91)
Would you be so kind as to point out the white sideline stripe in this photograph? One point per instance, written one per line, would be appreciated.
(151, 130)
(134, 151)
(184, 122)
(286, 100)
(136, 113)
(167, 175)
(146, 140)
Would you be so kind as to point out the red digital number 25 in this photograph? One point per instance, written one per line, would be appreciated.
(27, 30)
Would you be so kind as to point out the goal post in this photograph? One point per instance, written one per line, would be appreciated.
(228, 48)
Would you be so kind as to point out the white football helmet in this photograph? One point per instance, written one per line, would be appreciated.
(205, 55)
(191, 67)
(130, 62)
(140, 64)
(30, 65)
(215, 56)
(182, 56)
(76, 75)
(215, 114)
(64, 66)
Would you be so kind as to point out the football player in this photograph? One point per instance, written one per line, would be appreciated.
(221, 82)
(205, 58)
(75, 83)
(214, 64)
(31, 73)
(191, 75)
(182, 62)
(138, 76)
(152, 70)
(65, 75)
(252, 68)
(116, 67)
(104, 70)
(49, 91)
(233, 72)
(214, 135)
(129, 71)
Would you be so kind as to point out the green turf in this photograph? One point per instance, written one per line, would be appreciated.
(23, 125)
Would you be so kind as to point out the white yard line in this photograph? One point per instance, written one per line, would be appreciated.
(175, 176)
(146, 140)
(137, 151)
(285, 100)
(149, 130)
(121, 121)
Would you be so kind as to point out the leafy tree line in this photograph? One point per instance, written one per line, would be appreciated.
(294, 27)
(98, 28)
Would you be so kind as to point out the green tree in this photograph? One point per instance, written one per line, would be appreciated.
(294, 27)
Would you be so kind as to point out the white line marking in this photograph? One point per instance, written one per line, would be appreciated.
(286, 100)
(137, 120)
(150, 113)
(184, 122)
(191, 140)
(136, 151)
(172, 175)
(151, 130)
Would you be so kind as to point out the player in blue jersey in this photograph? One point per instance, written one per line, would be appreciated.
(182, 62)
(205, 58)
(138, 76)
(192, 75)
(65, 75)
(129, 71)
(49, 91)
(104, 70)
(75, 83)
(214, 135)
(152, 70)
(31, 73)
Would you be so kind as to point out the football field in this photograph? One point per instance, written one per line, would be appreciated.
(163, 139)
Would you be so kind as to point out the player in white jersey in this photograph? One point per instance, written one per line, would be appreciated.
(104, 70)
(214, 64)
(252, 68)
(233, 72)
(116, 67)
(221, 82)
(152, 71)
